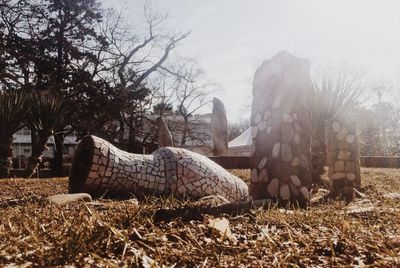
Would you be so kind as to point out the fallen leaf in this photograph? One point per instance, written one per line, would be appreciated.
(221, 225)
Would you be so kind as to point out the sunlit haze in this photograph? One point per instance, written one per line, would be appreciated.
(230, 38)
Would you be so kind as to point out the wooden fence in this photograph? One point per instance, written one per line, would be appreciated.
(380, 161)
(243, 162)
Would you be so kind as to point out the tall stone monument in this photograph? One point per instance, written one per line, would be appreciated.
(281, 130)
(219, 128)
(164, 136)
(343, 160)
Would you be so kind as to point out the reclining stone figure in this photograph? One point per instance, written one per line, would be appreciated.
(100, 168)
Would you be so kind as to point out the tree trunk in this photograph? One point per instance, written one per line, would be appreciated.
(121, 131)
(57, 166)
(131, 145)
(37, 151)
(5, 157)
(34, 139)
(60, 51)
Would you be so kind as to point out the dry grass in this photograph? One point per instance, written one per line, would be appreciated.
(116, 233)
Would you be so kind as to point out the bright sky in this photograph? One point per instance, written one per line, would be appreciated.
(230, 38)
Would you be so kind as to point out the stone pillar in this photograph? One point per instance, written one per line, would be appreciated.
(281, 126)
(164, 136)
(219, 128)
(343, 160)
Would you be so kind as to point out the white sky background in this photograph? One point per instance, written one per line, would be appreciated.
(230, 38)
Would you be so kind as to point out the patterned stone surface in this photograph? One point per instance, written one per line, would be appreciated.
(168, 170)
(219, 128)
(281, 123)
(343, 160)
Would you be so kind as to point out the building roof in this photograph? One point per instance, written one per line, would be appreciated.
(243, 139)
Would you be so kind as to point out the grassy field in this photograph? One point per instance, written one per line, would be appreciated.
(109, 233)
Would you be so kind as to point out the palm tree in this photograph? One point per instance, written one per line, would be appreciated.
(12, 115)
(44, 115)
(335, 92)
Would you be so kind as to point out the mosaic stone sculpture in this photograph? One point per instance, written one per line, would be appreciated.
(219, 128)
(343, 160)
(99, 167)
(164, 135)
(281, 123)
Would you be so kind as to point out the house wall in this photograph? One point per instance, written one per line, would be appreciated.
(22, 145)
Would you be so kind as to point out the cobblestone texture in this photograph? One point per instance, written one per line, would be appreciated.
(343, 159)
(168, 170)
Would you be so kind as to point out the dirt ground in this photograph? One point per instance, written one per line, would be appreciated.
(108, 233)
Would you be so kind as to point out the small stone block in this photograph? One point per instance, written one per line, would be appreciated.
(339, 166)
(64, 199)
(350, 138)
(344, 155)
(351, 176)
(336, 126)
(284, 192)
(286, 152)
(287, 118)
(338, 176)
(267, 115)
(276, 150)
(295, 180)
(253, 175)
(272, 188)
(295, 161)
(262, 125)
(305, 193)
(262, 163)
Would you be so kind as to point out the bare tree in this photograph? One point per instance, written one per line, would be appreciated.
(132, 59)
(164, 94)
(395, 87)
(192, 94)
